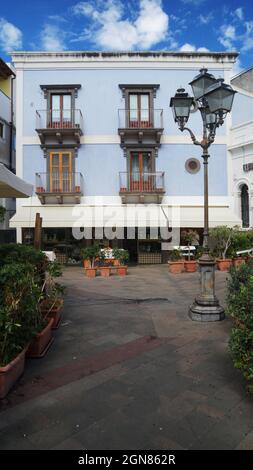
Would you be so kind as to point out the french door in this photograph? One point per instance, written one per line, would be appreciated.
(141, 178)
(60, 112)
(60, 176)
(139, 110)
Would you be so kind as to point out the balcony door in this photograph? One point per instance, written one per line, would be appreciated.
(60, 176)
(139, 110)
(60, 112)
(140, 171)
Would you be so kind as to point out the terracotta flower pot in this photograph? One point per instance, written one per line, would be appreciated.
(115, 262)
(91, 272)
(223, 264)
(122, 270)
(10, 373)
(86, 263)
(238, 261)
(176, 267)
(105, 271)
(41, 342)
(190, 266)
(52, 312)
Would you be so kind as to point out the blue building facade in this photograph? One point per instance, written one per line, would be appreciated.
(96, 136)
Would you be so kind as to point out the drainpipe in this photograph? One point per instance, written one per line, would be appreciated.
(11, 128)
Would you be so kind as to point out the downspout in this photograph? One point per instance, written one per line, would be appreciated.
(13, 77)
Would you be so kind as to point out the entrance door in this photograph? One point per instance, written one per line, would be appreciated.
(139, 110)
(140, 171)
(60, 177)
(60, 115)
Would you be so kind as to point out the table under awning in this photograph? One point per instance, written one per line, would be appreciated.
(13, 186)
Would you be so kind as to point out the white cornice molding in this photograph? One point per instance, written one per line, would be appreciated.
(115, 139)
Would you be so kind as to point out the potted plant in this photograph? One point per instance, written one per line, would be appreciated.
(105, 268)
(52, 302)
(18, 320)
(122, 256)
(91, 253)
(176, 263)
(188, 237)
(242, 241)
(221, 238)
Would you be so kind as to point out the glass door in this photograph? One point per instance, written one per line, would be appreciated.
(140, 171)
(139, 110)
(60, 111)
(60, 176)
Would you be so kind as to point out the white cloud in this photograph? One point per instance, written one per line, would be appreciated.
(52, 38)
(112, 31)
(239, 13)
(205, 19)
(193, 2)
(10, 36)
(191, 48)
(228, 35)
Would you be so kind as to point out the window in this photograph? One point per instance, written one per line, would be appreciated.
(60, 172)
(139, 110)
(1, 130)
(60, 115)
(141, 178)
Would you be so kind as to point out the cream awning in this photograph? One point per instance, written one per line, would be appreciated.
(12, 186)
(123, 216)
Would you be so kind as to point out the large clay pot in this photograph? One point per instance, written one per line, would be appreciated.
(190, 266)
(122, 270)
(54, 311)
(176, 267)
(91, 272)
(238, 261)
(10, 373)
(223, 264)
(41, 342)
(105, 271)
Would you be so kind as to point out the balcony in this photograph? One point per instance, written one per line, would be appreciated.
(138, 187)
(143, 126)
(59, 127)
(59, 188)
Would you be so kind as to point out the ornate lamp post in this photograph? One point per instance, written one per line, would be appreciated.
(214, 100)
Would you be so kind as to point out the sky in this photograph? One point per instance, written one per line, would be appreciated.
(130, 25)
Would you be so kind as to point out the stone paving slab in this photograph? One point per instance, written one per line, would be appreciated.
(129, 370)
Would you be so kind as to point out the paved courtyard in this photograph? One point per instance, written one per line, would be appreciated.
(129, 370)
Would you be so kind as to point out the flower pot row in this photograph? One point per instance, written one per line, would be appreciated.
(37, 348)
(178, 266)
(225, 264)
(106, 271)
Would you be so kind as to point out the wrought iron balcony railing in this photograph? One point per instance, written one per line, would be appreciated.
(141, 182)
(59, 119)
(140, 118)
(59, 183)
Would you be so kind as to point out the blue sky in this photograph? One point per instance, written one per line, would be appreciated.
(177, 25)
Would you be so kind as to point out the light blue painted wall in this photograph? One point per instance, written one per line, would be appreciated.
(101, 164)
(242, 110)
(100, 97)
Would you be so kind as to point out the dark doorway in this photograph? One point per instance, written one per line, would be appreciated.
(245, 205)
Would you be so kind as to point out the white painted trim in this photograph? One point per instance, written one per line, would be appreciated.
(238, 126)
(19, 123)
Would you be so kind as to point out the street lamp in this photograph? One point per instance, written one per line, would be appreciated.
(214, 99)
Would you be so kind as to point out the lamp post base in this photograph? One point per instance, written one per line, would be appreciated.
(206, 307)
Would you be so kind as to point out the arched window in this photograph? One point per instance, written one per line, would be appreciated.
(245, 205)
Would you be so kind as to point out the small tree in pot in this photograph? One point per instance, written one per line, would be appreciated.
(189, 237)
(91, 253)
(176, 263)
(122, 256)
(221, 239)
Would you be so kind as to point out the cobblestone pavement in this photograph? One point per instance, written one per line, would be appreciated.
(129, 370)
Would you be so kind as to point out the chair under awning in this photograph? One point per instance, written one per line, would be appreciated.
(13, 186)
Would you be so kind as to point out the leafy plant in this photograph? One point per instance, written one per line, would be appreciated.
(174, 255)
(221, 239)
(52, 291)
(242, 240)
(20, 318)
(121, 255)
(91, 253)
(188, 237)
(240, 308)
